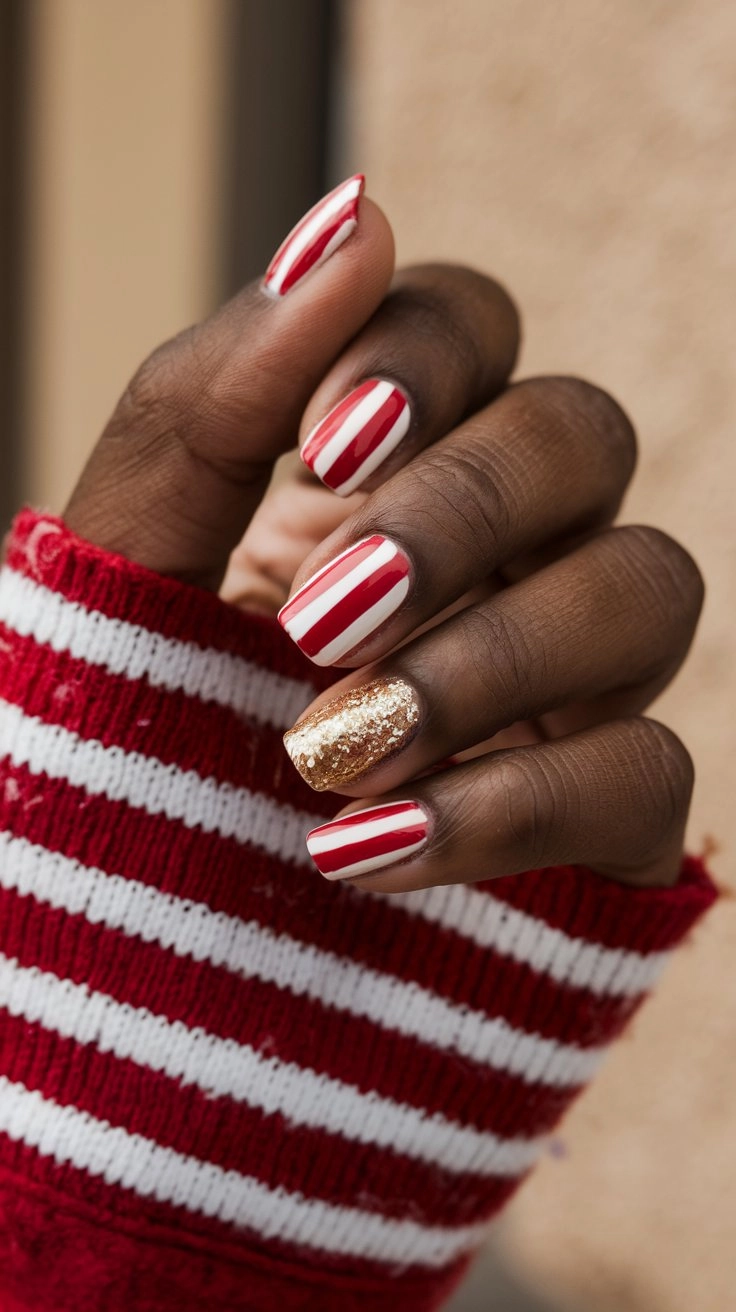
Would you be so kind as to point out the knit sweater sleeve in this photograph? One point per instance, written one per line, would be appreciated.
(224, 1081)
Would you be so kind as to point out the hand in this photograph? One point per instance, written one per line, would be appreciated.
(497, 506)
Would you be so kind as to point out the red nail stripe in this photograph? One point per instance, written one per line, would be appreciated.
(368, 840)
(348, 600)
(327, 225)
(357, 435)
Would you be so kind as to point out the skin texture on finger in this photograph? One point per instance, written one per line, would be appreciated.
(617, 614)
(614, 798)
(444, 341)
(187, 454)
(549, 458)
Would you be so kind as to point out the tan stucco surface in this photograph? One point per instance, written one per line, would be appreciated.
(584, 153)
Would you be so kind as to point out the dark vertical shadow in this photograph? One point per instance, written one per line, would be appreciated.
(12, 80)
(277, 107)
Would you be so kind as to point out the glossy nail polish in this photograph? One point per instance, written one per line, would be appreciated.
(348, 600)
(317, 236)
(368, 840)
(357, 435)
(354, 732)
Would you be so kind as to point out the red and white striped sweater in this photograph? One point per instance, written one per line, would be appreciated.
(224, 1081)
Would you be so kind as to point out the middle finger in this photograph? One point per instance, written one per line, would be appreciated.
(549, 458)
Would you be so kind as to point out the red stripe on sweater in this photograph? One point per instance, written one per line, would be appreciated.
(237, 1137)
(591, 906)
(373, 933)
(277, 1022)
(157, 1255)
(340, 919)
(43, 549)
(170, 727)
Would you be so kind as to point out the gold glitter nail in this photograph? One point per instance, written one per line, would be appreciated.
(349, 735)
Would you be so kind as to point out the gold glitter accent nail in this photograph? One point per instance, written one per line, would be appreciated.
(352, 733)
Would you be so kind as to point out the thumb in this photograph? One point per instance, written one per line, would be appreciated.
(185, 459)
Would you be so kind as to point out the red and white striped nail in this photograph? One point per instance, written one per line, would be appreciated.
(357, 435)
(368, 840)
(347, 600)
(317, 236)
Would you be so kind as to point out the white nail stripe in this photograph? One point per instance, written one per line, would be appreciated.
(488, 923)
(378, 455)
(307, 616)
(336, 240)
(225, 1068)
(190, 929)
(34, 611)
(375, 862)
(123, 1158)
(327, 841)
(154, 787)
(296, 245)
(366, 623)
(350, 427)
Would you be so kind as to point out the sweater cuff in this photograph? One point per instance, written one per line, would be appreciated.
(313, 1094)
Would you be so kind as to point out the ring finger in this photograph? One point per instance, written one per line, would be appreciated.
(614, 617)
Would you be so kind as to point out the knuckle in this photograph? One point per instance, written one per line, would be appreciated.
(155, 400)
(447, 306)
(434, 321)
(540, 804)
(592, 413)
(451, 493)
(506, 667)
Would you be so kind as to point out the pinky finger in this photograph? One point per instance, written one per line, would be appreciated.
(614, 798)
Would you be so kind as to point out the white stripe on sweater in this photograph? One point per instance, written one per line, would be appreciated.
(119, 647)
(120, 1157)
(154, 787)
(225, 1068)
(130, 650)
(250, 950)
(481, 919)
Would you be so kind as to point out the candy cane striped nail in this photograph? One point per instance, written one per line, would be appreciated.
(316, 237)
(346, 601)
(368, 840)
(357, 435)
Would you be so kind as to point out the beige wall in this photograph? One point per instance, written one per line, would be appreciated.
(124, 159)
(584, 153)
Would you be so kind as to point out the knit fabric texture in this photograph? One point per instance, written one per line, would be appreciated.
(224, 1081)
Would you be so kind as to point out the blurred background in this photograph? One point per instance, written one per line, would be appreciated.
(152, 154)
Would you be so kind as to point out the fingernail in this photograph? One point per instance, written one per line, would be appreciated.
(368, 840)
(317, 236)
(354, 732)
(346, 601)
(357, 435)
